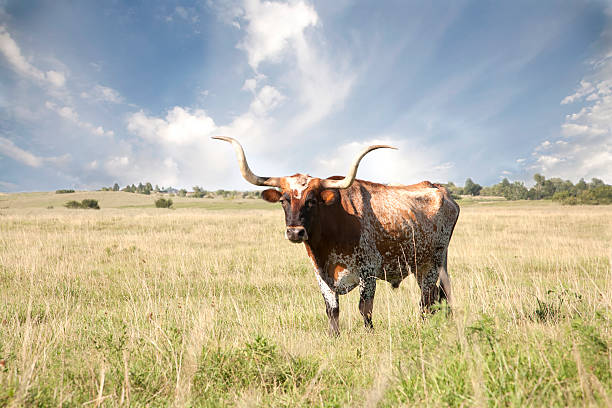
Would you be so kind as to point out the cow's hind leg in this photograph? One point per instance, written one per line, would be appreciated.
(445, 284)
(431, 293)
(367, 289)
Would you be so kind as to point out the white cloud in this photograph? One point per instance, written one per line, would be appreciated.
(312, 86)
(585, 89)
(117, 163)
(273, 27)
(574, 129)
(266, 100)
(101, 93)
(22, 66)
(585, 146)
(251, 84)
(164, 171)
(185, 13)
(11, 150)
(68, 113)
(181, 126)
(543, 146)
(277, 31)
(56, 78)
(407, 165)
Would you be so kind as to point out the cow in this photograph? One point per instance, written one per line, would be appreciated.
(357, 232)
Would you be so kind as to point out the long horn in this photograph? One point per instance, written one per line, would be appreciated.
(244, 166)
(350, 177)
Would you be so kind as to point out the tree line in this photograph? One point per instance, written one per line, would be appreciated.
(556, 189)
(564, 191)
(198, 192)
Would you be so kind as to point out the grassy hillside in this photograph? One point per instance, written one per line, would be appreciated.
(120, 199)
(150, 307)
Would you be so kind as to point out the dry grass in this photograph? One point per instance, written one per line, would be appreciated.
(144, 306)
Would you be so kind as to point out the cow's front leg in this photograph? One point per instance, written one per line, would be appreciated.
(367, 288)
(332, 306)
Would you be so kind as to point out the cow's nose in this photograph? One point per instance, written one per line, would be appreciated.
(296, 234)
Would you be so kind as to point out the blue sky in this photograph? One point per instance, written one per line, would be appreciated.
(93, 93)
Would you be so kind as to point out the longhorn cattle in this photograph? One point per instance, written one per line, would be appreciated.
(357, 232)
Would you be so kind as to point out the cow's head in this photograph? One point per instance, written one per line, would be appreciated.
(301, 196)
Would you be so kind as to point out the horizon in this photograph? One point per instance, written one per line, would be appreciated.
(94, 94)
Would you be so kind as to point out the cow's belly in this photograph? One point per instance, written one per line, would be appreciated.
(400, 260)
(345, 281)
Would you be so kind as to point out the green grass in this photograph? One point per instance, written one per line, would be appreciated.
(190, 307)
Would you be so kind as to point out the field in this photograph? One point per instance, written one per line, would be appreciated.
(208, 305)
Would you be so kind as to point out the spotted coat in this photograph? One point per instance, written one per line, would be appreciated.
(371, 232)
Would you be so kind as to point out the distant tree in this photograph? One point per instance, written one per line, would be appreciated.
(595, 183)
(182, 192)
(199, 192)
(64, 191)
(515, 191)
(454, 190)
(116, 187)
(471, 188)
(593, 196)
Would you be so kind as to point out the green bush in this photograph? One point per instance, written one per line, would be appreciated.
(163, 203)
(63, 191)
(594, 196)
(86, 204)
(73, 204)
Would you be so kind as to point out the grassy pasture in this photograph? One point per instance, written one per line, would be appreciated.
(209, 305)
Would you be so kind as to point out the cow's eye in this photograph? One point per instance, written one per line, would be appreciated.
(311, 202)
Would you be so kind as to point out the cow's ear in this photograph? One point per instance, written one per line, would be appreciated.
(329, 196)
(271, 195)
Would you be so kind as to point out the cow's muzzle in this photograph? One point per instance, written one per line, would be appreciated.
(296, 234)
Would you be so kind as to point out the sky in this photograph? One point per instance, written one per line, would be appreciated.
(93, 93)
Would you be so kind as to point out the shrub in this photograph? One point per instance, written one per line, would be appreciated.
(90, 203)
(63, 191)
(87, 203)
(163, 203)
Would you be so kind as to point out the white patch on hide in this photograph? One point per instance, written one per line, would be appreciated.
(298, 184)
